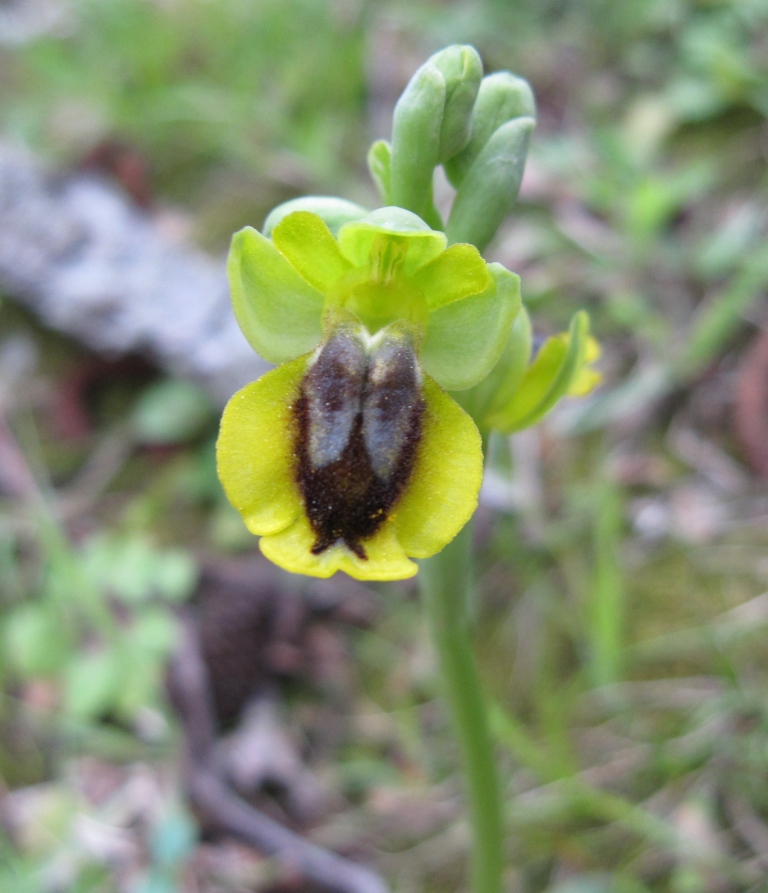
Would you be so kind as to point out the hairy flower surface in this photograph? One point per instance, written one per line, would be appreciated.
(350, 456)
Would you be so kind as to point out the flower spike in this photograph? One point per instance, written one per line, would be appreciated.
(351, 455)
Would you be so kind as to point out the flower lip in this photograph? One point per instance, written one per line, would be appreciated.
(358, 424)
(258, 466)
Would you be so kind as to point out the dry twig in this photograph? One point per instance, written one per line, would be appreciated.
(222, 809)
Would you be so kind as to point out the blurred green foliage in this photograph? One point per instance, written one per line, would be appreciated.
(214, 95)
(620, 617)
(68, 630)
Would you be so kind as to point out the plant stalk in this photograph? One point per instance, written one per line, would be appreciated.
(445, 583)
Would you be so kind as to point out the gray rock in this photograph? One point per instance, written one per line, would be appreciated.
(90, 264)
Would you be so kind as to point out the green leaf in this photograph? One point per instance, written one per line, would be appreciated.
(92, 683)
(175, 574)
(719, 316)
(141, 684)
(154, 631)
(34, 640)
(547, 379)
(489, 189)
(501, 98)
(334, 212)
(278, 311)
(465, 338)
(132, 569)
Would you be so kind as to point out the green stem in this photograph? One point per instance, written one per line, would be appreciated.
(445, 584)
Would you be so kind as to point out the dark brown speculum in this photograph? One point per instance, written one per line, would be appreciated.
(359, 419)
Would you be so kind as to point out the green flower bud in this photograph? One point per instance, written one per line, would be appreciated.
(490, 187)
(431, 123)
(463, 71)
(416, 140)
(502, 97)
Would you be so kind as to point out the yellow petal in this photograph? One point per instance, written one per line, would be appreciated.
(585, 382)
(255, 450)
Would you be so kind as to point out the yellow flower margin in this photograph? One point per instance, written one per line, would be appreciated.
(256, 455)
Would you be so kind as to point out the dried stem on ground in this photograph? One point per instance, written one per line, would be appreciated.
(220, 808)
(751, 404)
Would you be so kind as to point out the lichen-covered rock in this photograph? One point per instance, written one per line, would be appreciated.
(91, 265)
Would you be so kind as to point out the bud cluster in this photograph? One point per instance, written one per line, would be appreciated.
(477, 127)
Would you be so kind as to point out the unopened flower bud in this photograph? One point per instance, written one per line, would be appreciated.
(490, 187)
(431, 123)
(502, 97)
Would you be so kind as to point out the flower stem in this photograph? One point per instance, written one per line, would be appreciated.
(445, 584)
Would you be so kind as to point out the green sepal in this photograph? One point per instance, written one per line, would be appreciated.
(278, 311)
(380, 165)
(502, 97)
(462, 70)
(416, 129)
(548, 378)
(334, 212)
(493, 393)
(489, 189)
(464, 339)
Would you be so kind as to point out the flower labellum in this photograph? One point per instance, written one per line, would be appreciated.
(358, 421)
(351, 458)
